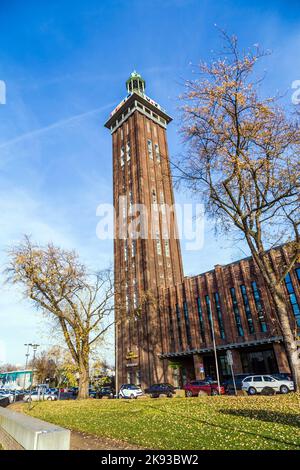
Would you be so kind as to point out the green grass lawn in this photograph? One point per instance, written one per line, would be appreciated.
(197, 423)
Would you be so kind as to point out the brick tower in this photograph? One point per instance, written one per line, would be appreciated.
(147, 257)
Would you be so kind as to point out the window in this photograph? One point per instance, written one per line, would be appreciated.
(209, 314)
(257, 379)
(148, 126)
(167, 248)
(297, 271)
(219, 315)
(293, 298)
(267, 378)
(150, 150)
(236, 312)
(125, 250)
(122, 156)
(187, 324)
(200, 318)
(259, 307)
(171, 331)
(179, 325)
(128, 151)
(133, 248)
(247, 309)
(135, 294)
(154, 198)
(121, 133)
(157, 153)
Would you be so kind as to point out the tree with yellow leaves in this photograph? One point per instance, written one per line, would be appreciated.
(242, 160)
(80, 304)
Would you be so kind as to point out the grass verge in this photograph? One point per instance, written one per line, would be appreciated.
(198, 423)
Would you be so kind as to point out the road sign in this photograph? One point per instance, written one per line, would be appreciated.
(229, 357)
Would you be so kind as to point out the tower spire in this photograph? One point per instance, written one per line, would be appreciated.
(135, 83)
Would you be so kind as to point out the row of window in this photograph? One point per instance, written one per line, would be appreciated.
(236, 312)
(150, 150)
(219, 316)
(125, 152)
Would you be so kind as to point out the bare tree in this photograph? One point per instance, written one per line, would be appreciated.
(80, 304)
(242, 160)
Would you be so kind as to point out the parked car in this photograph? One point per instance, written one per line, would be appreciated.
(7, 394)
(92, 393)
(238, 378)
(156, 390)
(38, 396)
(106, 392)
(282, 376)
(256, 383)
(193, 388)
(130, 391)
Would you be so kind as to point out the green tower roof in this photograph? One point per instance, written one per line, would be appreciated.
(135, 83)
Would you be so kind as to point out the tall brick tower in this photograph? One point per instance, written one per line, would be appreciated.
(150, 261)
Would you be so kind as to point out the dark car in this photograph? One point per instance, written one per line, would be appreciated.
(193, 388)
(156, 390)
(93, 393)
(229, 385)
(106, 392)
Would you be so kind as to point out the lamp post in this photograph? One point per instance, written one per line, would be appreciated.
(26, 362)
(34, 347)
(215, 350)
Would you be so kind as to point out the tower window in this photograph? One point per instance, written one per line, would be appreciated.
(133, 248)
(150, 150)
(167, 248)
(157, 153)
(128, 151)
(122, 156)
(148, 126)
(154, 198)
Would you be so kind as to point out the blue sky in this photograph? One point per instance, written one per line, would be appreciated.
(65, 64)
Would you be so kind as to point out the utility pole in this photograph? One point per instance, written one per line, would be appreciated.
(34, 347)
(215, 350)
(26, 362)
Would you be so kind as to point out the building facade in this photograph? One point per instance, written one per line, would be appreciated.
(165, 322)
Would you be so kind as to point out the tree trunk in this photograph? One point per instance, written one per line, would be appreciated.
(83, 391)
(289, 340)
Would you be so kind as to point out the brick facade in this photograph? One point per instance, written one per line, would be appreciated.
(164, 319)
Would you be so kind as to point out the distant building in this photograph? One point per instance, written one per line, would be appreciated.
(16, 379)
(170, 339)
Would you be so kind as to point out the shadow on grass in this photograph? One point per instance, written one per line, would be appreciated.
(237, 413)
(267, 416)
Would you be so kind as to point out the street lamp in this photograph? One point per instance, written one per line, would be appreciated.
(26, 362)
(34, 347)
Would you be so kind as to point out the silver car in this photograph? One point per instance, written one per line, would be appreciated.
(256, 383)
